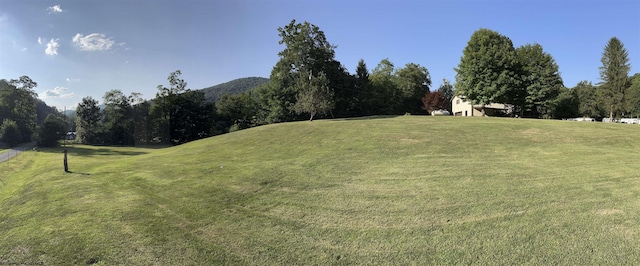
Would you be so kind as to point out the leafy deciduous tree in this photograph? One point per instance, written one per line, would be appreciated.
(413, 82)
(9, 133)
(588, 103)
(314, 96)
(118, 117)
(566, 104)
(51, 131)
(165, 108)
(434, 101)
(306, 50)
(447, 93)
(384, 90)
(541, 81)
(18, 103)
(239, 110)
(488, 71)
(194, 118)
(632, 96)
(88, 119)
(179, 114)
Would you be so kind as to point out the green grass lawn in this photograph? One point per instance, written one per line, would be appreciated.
(404, 190)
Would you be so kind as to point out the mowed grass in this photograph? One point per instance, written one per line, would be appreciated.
(403, 190)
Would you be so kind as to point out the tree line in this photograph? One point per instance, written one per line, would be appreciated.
(308, 82)
(491, 70)
(24, 117)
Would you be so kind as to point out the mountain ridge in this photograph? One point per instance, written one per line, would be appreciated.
(236, 86)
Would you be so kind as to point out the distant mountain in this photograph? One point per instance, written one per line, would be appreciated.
(72, 112)
(236, 86)
(69, 112)
(43, 110)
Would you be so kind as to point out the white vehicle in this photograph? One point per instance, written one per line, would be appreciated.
(440, 112)
(581, 119)
(585, 119)
(630, 120)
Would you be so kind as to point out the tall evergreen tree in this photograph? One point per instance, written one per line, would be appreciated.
(488, 71)
(362, 86)
(614, 74)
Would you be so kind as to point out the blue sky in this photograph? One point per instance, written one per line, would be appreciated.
(74, 49)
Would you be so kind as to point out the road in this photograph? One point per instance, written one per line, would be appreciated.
(5, 156)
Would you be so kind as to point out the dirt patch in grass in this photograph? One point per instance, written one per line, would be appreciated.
(623, 231)
(608, 211)
(410, 141)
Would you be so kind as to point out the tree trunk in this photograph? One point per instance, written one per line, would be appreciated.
(611, 114)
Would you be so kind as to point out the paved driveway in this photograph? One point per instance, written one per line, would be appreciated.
(5, 156)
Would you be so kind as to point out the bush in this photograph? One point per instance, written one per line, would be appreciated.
(9, 133)
(51, 131)
(234, 128)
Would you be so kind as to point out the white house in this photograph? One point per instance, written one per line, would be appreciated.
(460, 107)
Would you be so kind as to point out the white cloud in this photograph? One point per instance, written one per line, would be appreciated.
(24, 49)
(73, 80)
(54, 9)
(39, 40)
(52, 47)
(93, 42)
(57, 92)
(4, 19)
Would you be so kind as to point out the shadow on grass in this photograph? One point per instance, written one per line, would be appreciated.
(368, 117)
(72, 172)
(94, 151)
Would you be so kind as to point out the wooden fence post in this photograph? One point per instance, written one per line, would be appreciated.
(66, 166)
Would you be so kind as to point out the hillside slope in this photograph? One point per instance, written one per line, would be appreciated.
(404, 190)
(236, 86)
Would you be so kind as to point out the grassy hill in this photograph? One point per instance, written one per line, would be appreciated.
(236, 86)
(403, 190)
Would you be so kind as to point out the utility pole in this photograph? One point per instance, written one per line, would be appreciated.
(64, 143)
